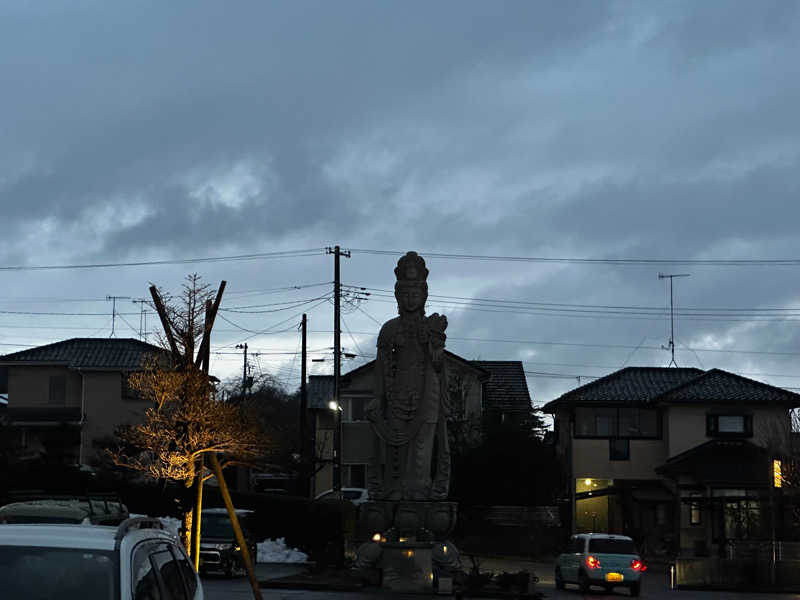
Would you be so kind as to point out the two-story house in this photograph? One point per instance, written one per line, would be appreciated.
(479, 390)
(66, 396)
(679, 458)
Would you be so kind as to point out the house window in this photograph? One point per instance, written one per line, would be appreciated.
(729, 425)
(3, 380)
(638, 423)
(595, 422)
(58, 390)
(355, 476)
(355, 409)
(695, 514)
(619, 449)
(611, 422)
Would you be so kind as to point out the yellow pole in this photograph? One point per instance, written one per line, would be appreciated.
(226, 497)
(197, 522)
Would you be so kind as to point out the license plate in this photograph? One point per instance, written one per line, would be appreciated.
(614, 577)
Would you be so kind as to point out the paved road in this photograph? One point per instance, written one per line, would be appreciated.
(654, 588)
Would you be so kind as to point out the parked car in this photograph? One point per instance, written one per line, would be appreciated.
(94, 511)
(600, 559)
(137, 560)
(219, 550)
(355, 495)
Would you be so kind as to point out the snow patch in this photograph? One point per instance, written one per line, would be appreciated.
(276, 551)
(171, 524)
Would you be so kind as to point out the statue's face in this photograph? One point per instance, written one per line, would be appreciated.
(410, 298)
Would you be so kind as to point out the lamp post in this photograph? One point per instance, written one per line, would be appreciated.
(337, 448)
(777, 482)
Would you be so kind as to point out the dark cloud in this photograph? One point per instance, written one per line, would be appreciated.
(590, 129)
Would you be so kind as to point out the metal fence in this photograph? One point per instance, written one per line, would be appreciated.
(762, 550)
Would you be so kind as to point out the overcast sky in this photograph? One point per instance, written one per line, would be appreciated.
(142, 132)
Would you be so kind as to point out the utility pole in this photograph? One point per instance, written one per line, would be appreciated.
(337, 367)
(114, 310)
(304, 454)
(671, 346)
(244, 368)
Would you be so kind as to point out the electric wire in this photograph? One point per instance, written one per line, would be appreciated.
(178, 261)
(757, 262)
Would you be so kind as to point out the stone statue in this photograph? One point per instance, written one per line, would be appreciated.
(411, 458)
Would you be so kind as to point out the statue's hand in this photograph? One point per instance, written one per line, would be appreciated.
(437, 323)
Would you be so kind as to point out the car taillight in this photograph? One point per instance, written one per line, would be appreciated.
(592, 562)
(638, 565)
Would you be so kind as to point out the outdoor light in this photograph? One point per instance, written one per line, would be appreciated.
(402, 539)
(376, 537)
(333, 405)
(444, 549)
(587, 481)
(777, 477)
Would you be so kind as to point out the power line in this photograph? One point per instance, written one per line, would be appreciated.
(589, 345)
(292, 304)
(539, 308)
(540, 304)
(179, 261)
(756, 262)
(279, 323)
(590, 314)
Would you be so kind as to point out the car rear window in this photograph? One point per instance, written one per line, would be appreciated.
(37, 573)
(611, 546)
(351, 495)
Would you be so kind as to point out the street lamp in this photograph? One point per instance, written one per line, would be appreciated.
(337, 448)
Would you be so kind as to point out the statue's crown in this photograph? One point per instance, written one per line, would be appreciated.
(411, 267)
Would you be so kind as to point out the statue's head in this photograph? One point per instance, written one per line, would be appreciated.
(411, 288)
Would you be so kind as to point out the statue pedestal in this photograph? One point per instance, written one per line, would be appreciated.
(407, 566)
(409, 542)
(406, 519)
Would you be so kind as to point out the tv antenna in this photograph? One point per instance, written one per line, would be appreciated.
(114, 310)
(671, 345)
(142, 317)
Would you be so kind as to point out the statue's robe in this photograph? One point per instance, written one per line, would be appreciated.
(411, 459)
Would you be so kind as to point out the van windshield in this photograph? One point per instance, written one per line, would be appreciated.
(611, 546)
(220, 526)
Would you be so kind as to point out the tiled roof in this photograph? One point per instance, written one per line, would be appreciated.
(88, 353)
(507, 388)
(631, 385)
(650, 385)
(722, 461)
(717, 385)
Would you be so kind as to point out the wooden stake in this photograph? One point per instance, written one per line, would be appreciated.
(248, 561)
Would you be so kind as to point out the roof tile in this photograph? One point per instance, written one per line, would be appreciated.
(88, 353)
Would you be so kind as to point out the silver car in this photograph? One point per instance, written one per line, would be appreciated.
(600, 559)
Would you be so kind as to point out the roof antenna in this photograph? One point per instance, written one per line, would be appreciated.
(671, 345)
(114, 310)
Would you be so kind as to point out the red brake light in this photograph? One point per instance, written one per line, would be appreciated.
(592, 562)
(638, 565)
